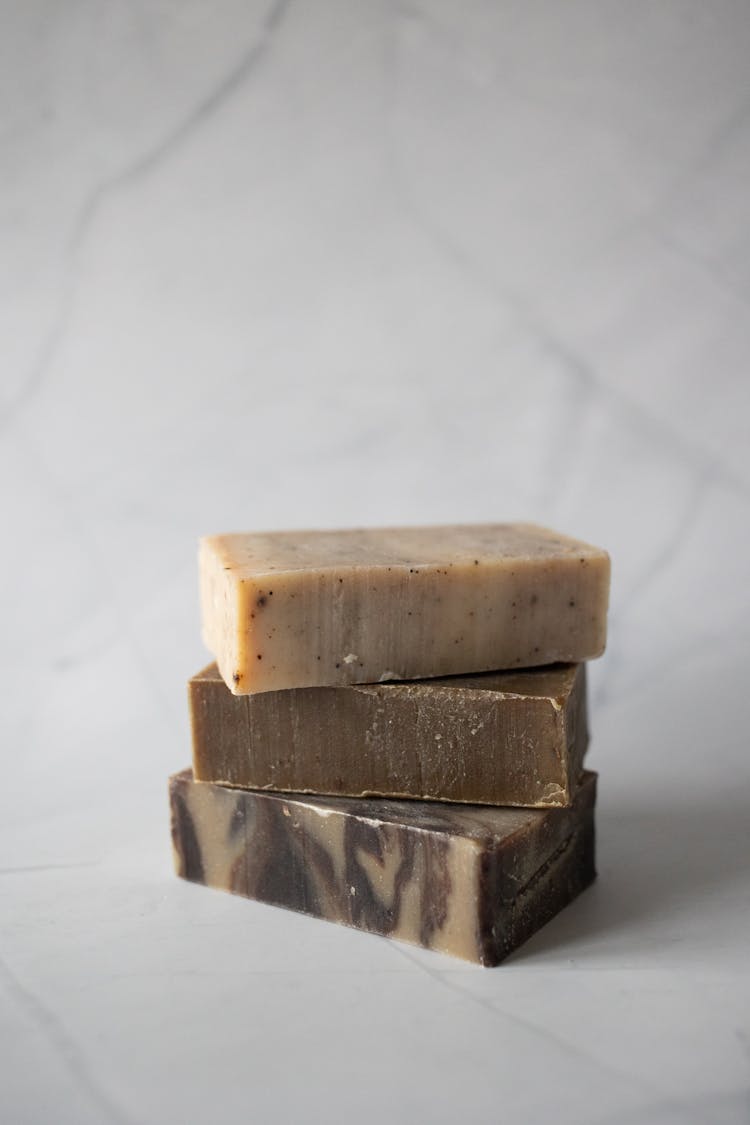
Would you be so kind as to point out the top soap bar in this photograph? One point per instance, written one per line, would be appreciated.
(310, 608)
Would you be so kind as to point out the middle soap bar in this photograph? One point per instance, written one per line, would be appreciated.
(500, 738)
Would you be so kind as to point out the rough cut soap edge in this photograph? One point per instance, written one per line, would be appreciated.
(571, 721)
(217, 589)
(605, 578)
(578, 727)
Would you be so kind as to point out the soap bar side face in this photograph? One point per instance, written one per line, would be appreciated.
(575, 719)
(470, 883)
(221, 609)
(568, 870)
(409, 604)
(503, 739)
(373, 875)
(209, 841)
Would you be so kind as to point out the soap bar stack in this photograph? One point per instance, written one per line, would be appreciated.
(392, 735)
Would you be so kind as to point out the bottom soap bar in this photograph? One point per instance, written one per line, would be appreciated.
(467, 880)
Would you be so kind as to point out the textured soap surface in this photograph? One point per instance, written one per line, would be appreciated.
(469, 881)
(298, 609)
(498, 738)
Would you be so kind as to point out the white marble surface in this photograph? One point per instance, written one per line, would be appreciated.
(347, 263)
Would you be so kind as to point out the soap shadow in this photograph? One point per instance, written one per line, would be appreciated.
(657, 865)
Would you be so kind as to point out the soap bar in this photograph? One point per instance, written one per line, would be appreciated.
(471, 881)
(496, 738)
(305, 609)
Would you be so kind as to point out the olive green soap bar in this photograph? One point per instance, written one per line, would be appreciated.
(497, 738)
(474, 882)
(303, 609)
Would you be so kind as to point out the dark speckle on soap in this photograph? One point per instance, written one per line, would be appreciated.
(261, 600)
(237, 676)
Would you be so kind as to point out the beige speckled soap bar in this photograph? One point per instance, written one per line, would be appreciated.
(470, 881)
(299, 609)
(494, 738)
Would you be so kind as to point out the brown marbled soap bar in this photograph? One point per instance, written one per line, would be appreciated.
(471, 881)
(498, 738)
(314, 608)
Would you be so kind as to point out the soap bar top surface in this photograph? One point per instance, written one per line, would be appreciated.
(296, 609)
(496, 738)
(470, 881)
(261, 553)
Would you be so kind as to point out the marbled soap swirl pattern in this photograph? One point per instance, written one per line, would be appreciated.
(470, 881)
